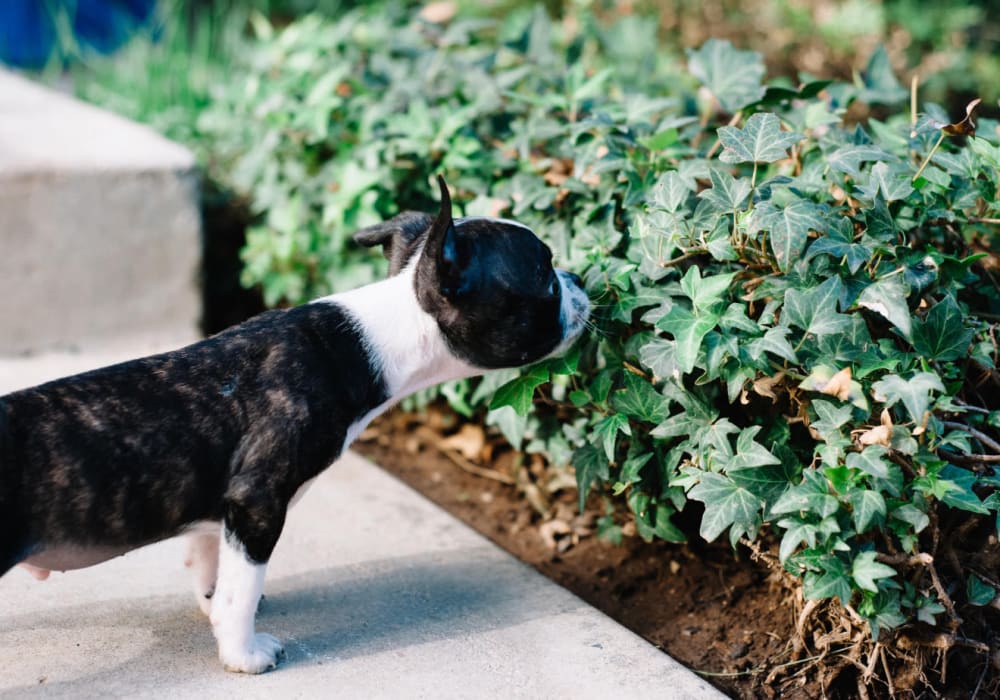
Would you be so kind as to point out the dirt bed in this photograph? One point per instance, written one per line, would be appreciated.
(720, 615)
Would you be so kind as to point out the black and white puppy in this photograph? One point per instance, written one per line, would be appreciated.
(216, 439)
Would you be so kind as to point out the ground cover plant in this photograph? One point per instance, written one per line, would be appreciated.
(795, 288)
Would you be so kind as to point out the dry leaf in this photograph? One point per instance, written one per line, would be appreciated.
(765, 385)
(879, 435)
(839, 385)
(966, 127)
(469, 441)
(551, 530)
(438, 12)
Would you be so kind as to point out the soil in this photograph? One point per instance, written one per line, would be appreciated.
(718, 614)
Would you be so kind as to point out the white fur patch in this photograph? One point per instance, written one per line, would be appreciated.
(234, 606)
(402, 338)
(203, 560)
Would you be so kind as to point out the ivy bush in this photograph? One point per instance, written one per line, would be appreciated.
(795, 313)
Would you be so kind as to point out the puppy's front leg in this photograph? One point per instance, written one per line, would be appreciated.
(234, 606)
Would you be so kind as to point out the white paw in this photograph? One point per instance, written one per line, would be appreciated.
(263, 655)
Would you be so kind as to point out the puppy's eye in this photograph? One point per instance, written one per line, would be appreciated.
(554, 288)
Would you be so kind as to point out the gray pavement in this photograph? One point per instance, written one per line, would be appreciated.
(376, 592)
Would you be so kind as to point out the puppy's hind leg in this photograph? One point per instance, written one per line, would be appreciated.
(203, 560)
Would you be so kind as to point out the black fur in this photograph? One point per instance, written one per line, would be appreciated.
(227, 428)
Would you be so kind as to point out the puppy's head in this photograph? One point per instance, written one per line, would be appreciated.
(489, 283)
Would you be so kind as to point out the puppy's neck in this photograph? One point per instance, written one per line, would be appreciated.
(403, 340)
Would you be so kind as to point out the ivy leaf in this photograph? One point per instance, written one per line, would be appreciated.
(941, 335)
(607, 429)
(705, 292)
(893, 183)
(848, 159)
(774, 342)
(726, 193)
(638, 399)
(590, 464)
(866, 571)
(915, 392)
(726, 505)
(878, 82)
(518, 393)
(961, 495)
(868, 507)
(789, 227)
(887, 297)
(761, 140)
(731, 75)
(688, 331)
(831, 582)
(672, 190)
(812, 495)
(978, 592)
(815, 310)
(796, 533)
(660, 357)
(870, 461)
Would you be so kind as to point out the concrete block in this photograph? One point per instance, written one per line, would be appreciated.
(100, 230)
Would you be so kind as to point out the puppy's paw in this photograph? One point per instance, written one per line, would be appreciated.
(262, 656)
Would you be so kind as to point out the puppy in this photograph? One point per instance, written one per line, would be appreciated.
(217, 438)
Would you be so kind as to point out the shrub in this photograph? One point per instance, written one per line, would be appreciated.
(796, 314)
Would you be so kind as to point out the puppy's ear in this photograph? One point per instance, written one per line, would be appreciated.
(450, 253)
(399, 237)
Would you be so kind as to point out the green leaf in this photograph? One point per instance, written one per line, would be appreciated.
(732, 76)
(688, 331)
(590, 464)
(761, 140)
(638, 399)
(672, 190)
(726, 193)
(660, 357)
(879, 84)
(892, 182)
(870, 461)
(915, 392)
(774, 342)
(960, 494)
(796, 533)
(868, 508)
(848, 159)
(866, 571)
(942, 335)
(887, 297)
(518, 393)
(726, 505)
(815, 310)
(979, 592)
(789, 227)
(705, 292)
(830, 583)
(607, 429)
(811, 496)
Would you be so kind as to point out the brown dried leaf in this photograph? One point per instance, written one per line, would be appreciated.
(438, 12)
(966, 127)
(469, 441)
(839, 385)
(550, 532)
(765, 386)
(879, 435)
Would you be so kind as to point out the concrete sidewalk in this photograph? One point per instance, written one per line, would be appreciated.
(376, 592)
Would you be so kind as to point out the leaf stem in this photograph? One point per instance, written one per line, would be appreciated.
(928, 158)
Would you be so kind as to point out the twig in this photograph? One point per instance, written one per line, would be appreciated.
(468, 466)
(968, 459)
(979, 435)
(888, 674)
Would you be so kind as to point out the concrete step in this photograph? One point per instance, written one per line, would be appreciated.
(100, 230)
(376, 592)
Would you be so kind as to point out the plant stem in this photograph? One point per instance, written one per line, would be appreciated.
(928, 158)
